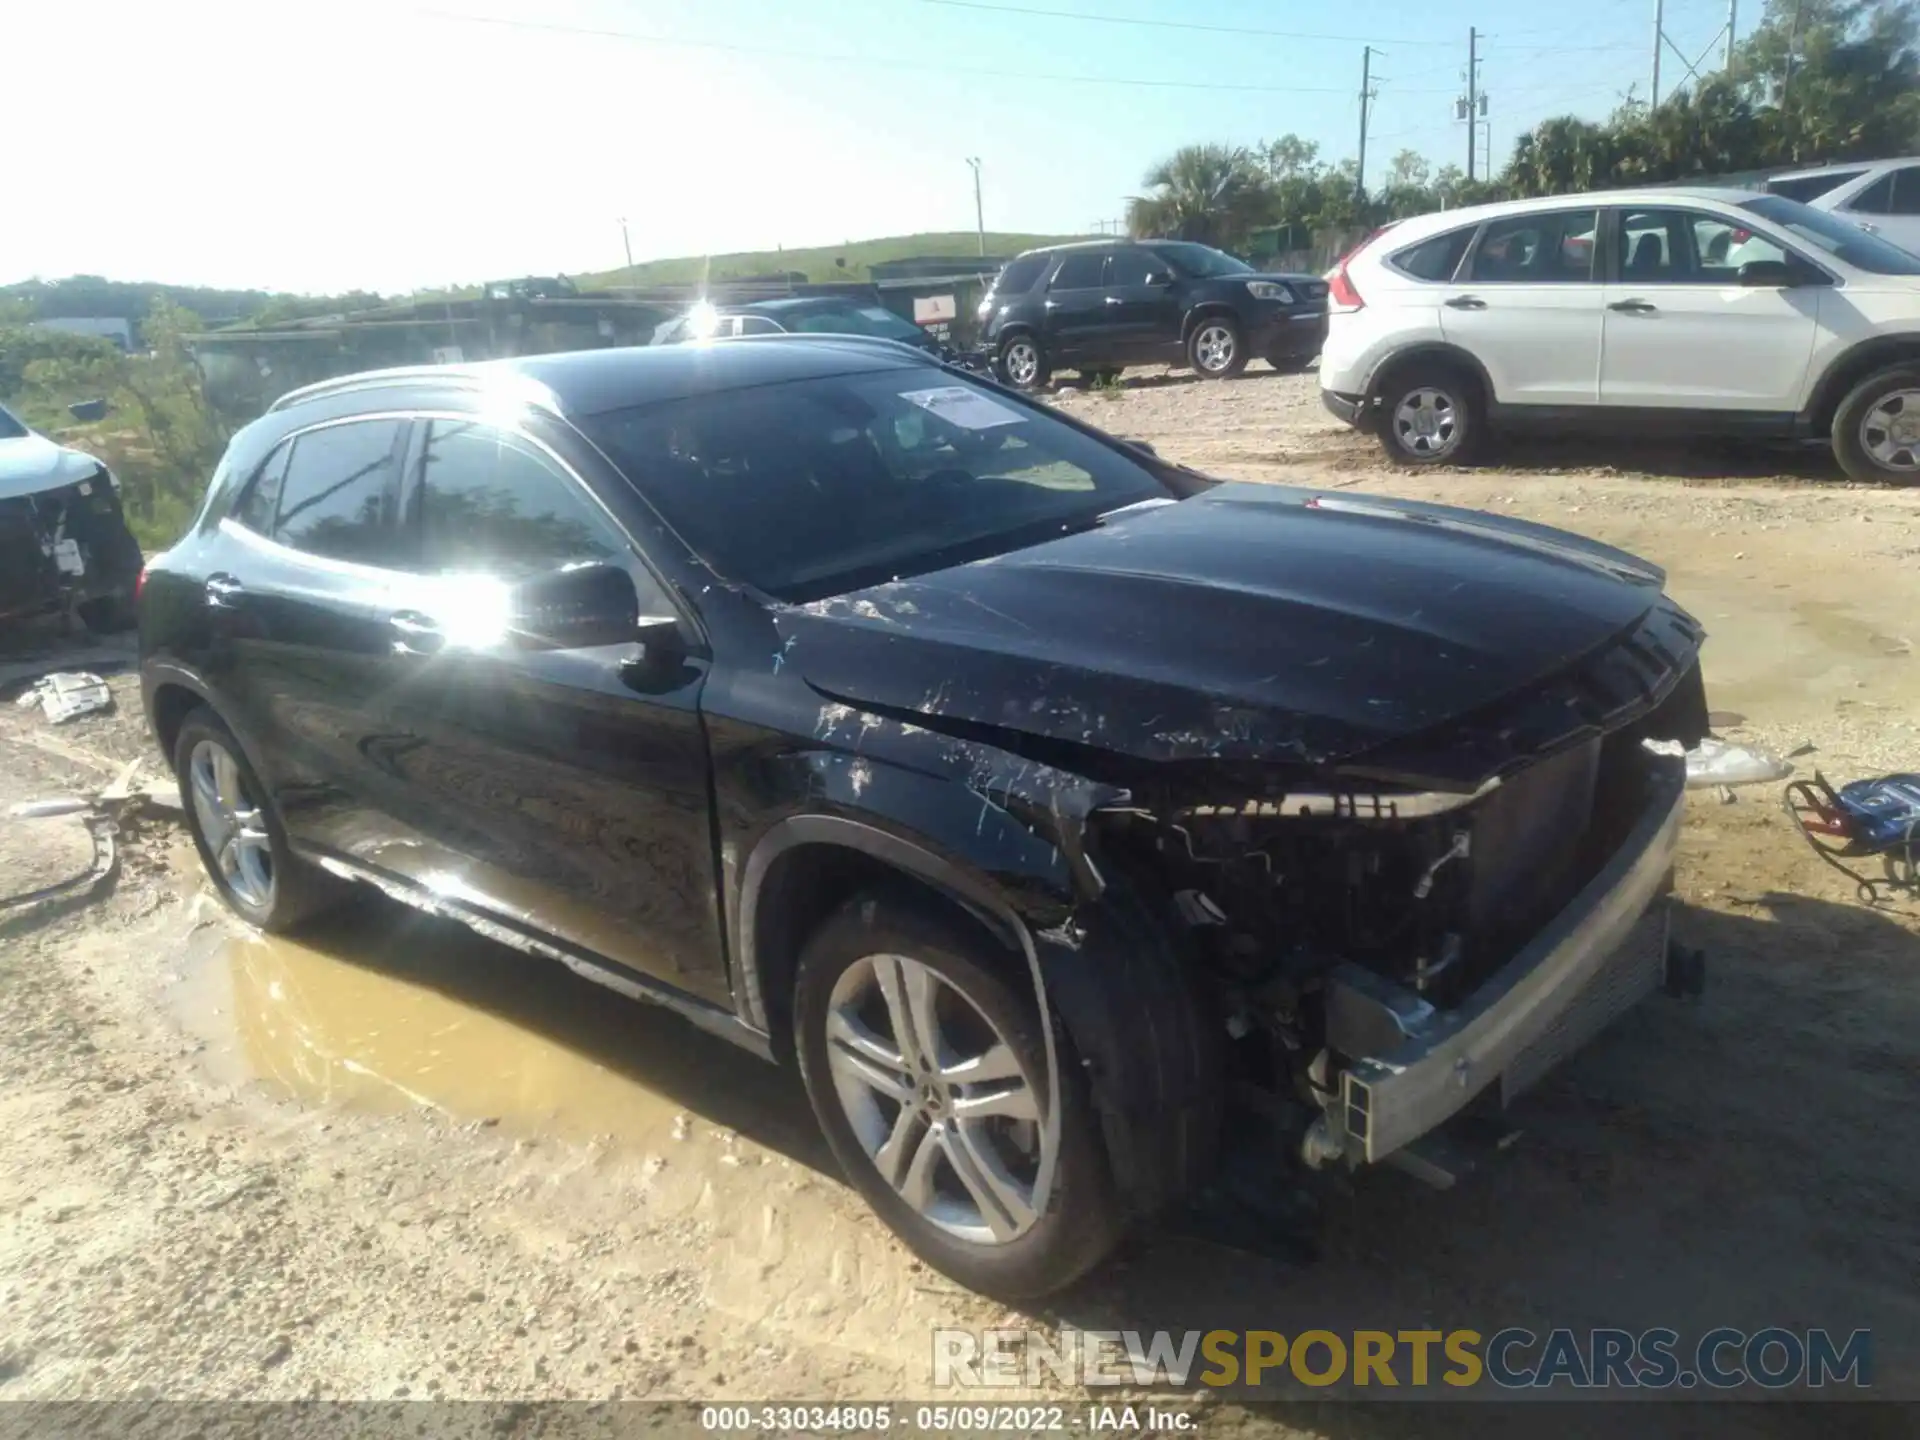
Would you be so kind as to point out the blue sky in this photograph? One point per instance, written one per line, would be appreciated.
(394, 144)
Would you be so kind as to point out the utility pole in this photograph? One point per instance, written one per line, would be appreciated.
(1659, 39)
(1366, 87)
(1473, 97)
(1733, 19)
(979, 215)
(624, 240)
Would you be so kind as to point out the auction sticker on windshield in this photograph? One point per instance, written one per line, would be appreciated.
(969, 409)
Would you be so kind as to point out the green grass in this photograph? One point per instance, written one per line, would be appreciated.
(817, 262)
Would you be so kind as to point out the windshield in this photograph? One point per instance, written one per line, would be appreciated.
(815, 487)
(10, 428)
(1845, 242)
(854, 320)
(1203, 262)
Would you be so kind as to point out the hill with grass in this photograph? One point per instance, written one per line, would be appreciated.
(851, 261)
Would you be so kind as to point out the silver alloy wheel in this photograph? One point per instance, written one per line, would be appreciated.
(1023, 361)
(936, 1097)
(1426, 423)
(1213, 348)
(1890, 431)
(231, 824)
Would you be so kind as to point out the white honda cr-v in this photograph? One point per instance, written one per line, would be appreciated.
(1651, 311)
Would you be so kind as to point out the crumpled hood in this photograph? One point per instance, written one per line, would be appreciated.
(34, 463)
(1250, 622)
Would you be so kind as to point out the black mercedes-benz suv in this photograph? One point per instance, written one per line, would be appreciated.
(1068, 820)
(1102, 305)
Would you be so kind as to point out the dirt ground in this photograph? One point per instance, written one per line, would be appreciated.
(395, 1160)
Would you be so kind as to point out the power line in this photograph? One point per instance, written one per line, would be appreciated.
(934, 67)
(1160, 24)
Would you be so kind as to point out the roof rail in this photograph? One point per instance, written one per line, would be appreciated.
(452, 376)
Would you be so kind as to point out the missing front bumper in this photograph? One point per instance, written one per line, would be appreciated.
(1600, 956)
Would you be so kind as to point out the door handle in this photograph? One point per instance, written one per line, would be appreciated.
(1870, 229)
(1467, 302)
(1115, 300)
(1633, 307)
(222, 590)
(415, 634)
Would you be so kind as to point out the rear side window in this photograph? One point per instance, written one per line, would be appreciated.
(1080, 271)
(261, 503)
(1435, 259)
(1019, 276)
(1555, 247)
(336, 497)
(491, 502)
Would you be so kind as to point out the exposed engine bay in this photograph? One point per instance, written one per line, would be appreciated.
(68, 545)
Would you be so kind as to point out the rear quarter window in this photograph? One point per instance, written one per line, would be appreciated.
(1434, 259)
(1019, 276)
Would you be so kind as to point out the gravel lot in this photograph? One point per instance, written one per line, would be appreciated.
(396, 1161)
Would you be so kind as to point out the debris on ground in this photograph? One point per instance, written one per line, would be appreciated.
(1715, 762)
(68, 694)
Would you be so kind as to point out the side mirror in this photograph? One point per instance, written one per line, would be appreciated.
(1767, 275)
(88, 411)
(573, 608)
(1160, 277)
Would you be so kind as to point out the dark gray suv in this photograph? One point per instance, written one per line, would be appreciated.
(1100, 306)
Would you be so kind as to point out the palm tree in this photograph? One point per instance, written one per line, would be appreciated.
(1215, 194)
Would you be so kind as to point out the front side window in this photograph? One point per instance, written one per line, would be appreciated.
(1081, 270)
(336, 497)
(1551, 248)
(1202, 262)
(758, 325)
(492, 503)
(814, 487)
(1723, 247)
(1834, 236)
(1906, 191)
(1876, 199)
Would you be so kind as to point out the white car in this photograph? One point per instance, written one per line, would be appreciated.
(1882, 197)
(1653, 311)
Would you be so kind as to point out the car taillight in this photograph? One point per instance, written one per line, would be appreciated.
(1340, 289)
(139, 582)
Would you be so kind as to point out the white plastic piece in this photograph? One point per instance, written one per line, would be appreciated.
(1715, 762)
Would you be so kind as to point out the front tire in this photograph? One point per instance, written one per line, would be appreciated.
(239, 836)
(1430, 414)
(1023, 363)
(1214, 349)
(927, 1069)
(1876, 430)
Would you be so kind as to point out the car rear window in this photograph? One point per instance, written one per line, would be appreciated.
(1019, 276)
(1810, 187)
(1435, 258)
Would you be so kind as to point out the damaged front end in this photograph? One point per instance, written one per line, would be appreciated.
(67, 549)
(1378, 957)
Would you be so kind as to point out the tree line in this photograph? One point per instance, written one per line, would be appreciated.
(1817, 81)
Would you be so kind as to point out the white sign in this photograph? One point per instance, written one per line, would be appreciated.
(66, 556)
(969, 409)
(932, 309)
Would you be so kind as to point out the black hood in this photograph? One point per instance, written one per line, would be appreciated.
(1252, 622)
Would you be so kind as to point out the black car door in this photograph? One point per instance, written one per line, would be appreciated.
(1076, 306)
(1144, 313)
(297, 603)
(564, 789)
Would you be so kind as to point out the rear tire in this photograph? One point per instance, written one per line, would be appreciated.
(238, 833)
(1876, 430)
(1430, 414)
(963, 1155)
(1022, 362)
